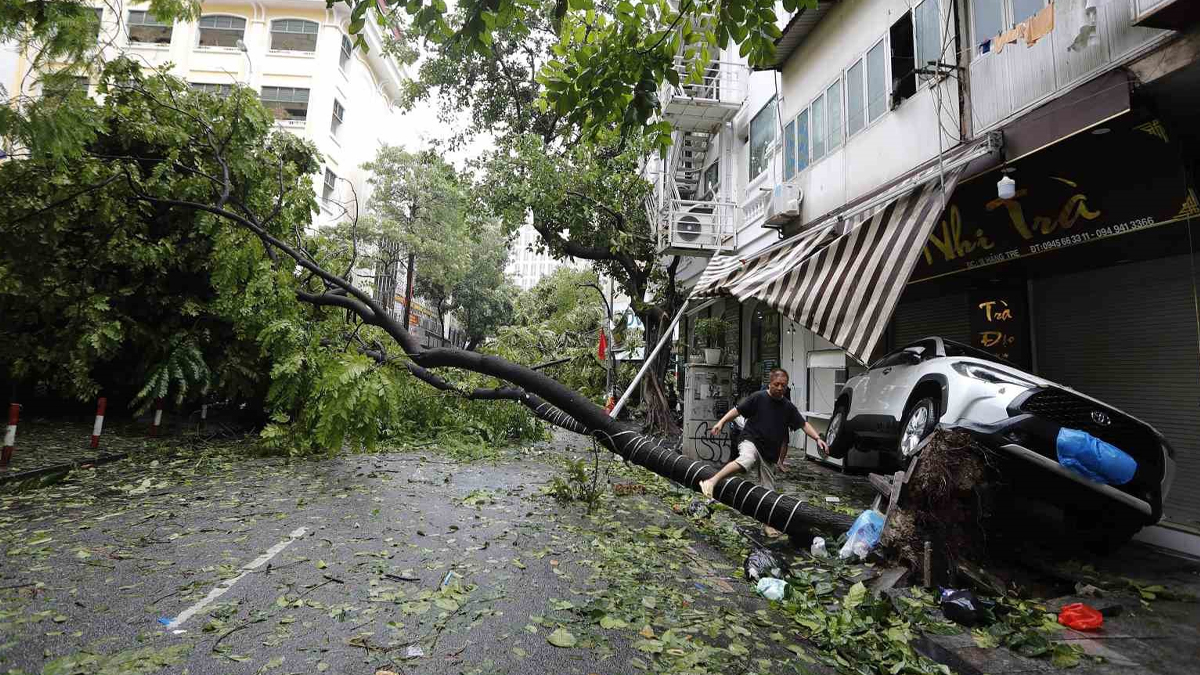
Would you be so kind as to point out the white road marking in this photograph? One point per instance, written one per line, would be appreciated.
(224, 586)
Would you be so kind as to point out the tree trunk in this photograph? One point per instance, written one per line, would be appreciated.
(570, 410)
(408, 289)
(659, 417)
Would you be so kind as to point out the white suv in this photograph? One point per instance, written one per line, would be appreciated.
(902, 398)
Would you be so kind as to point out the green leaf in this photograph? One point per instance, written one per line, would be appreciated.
(649, 646)
(447, 604)
(561, 637)
(1065, 656)
(855, 596)
(611, 622)
(984, 640)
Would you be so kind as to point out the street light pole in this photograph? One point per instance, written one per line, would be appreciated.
(241, 45)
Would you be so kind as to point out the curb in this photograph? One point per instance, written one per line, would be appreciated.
(57, 468)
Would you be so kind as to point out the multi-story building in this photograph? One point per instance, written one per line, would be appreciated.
(297, 54)
(526, 265)
(906, 164)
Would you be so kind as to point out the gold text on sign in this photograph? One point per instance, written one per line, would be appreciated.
(951, 244)
(994, 314)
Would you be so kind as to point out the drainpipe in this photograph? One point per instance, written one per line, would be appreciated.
(963, 59)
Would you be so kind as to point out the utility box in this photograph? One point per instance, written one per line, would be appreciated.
(708, 395)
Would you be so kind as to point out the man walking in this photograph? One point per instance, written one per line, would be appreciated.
(769, 417)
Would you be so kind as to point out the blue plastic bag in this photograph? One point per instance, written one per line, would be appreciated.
(1094, 459)
(863, 535)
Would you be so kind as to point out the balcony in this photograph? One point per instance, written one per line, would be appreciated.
(704, 100)
(697, 228)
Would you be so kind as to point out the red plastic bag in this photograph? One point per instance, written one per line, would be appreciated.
(1080, 617)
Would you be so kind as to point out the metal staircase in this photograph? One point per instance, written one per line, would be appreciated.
(689, 167)
(692, 217)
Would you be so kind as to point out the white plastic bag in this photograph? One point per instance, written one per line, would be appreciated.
(771, 588)
(818, 548)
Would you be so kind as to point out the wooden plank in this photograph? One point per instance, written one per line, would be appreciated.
(882, 484)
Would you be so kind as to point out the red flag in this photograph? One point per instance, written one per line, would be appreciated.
(603, 344)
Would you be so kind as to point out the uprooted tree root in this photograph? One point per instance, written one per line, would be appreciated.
(945, 502)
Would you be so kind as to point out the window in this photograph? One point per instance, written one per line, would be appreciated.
(818, 128)
(338, 113)
(347, 50)
(833, 113)
(145, 27)
(789, 150)
(988, 19)
(221, 31)
(712, 180)
(1023, 9)
(876, 83)
(99, 19)
(213, 88)
(904, 59)
(288, 103)
(330, 186)
(294, 35)
(762, 136)
(929, 35)
(856, 109)
(802, 141)
(61, 86)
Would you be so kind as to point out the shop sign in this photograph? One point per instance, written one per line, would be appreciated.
(1067, 195)
(1000, 323)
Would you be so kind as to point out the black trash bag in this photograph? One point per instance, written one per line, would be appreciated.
(699, 508)
(762, 563)
(963, 608)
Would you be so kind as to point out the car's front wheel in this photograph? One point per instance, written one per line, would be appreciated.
(919, 422)
(837, 437)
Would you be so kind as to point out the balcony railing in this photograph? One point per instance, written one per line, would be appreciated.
(691, 227)
(705, 99)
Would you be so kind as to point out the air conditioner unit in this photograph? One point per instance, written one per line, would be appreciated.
(784, 205)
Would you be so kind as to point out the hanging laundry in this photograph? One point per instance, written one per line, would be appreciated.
(1008, 37)
(1040, 25)
(1087, 35)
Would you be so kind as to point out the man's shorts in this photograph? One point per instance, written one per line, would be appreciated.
(757, 469)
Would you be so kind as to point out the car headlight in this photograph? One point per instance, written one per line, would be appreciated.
(979, 371)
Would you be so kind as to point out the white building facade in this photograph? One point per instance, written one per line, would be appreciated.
(1089, 105)
(526, 265)
(296, 53)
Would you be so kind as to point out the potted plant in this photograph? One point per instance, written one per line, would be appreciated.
(710, 331)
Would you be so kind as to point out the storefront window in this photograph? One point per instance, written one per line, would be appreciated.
(764, 343)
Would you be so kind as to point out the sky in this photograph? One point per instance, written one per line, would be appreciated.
(426, 127)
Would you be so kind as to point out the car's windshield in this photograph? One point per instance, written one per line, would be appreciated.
(959, 349)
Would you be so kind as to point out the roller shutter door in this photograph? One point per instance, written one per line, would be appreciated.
(944, 316)
(1127, 336)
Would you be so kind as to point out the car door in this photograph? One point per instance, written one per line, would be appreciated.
(889, 384)
(868, 405)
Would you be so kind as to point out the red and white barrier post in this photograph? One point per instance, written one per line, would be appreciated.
(10, 434)
(157, 416)
(96, 428)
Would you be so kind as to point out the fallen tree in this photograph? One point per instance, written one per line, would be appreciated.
(320, 276)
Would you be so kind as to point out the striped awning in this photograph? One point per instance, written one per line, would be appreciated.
(845, 287)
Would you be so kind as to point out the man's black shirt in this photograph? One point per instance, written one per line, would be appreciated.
(768, 421)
